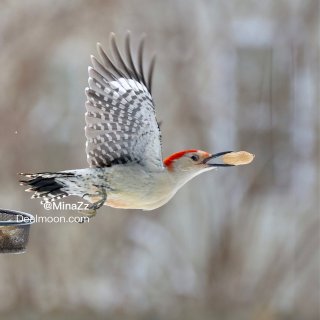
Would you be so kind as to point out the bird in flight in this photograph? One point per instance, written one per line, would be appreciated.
(123, 147)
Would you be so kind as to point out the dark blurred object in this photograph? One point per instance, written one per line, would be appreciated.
(14, 231)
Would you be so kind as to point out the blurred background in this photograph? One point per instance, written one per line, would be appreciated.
(240, 243)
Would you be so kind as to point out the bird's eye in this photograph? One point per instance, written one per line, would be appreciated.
(195, 157)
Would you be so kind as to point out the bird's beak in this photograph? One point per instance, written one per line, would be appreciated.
(207, 161)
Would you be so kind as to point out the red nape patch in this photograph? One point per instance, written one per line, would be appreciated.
(168, 161)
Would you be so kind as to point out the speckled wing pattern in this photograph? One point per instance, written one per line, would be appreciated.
(121, 124)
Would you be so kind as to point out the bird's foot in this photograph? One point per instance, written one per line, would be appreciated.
(89, 213)
(91, 210)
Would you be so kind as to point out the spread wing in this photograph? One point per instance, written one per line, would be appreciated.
(121, 124)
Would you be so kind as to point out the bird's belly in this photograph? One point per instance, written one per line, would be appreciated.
(119, 203)
(136, 201)
(140, 190)
(113, 201)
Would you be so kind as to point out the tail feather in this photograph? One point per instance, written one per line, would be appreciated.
(46, 185)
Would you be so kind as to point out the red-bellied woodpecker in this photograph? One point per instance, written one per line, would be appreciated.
(123, 143)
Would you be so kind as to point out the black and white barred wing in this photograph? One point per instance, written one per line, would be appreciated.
(121, 124)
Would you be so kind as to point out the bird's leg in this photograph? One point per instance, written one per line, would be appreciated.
(91, 210)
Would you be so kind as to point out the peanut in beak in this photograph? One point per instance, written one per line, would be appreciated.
(238, 158)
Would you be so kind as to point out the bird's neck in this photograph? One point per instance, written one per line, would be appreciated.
(178, 177)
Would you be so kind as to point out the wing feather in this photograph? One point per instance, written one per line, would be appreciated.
(121, 124)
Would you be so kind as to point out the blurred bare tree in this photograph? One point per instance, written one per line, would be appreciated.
(235, 244)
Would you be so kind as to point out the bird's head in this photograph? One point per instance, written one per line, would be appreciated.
(194, 161)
